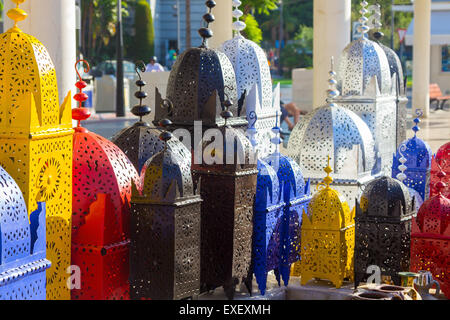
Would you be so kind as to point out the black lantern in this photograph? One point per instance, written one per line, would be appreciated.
(383, 228)
(199, 82)
(228, 193)
(141, 141)
(165, 228)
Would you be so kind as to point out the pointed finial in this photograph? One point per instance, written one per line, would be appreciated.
(16, 14)
(81, 113)
(328, 179)
(332, 91)
(140, 110)
(441, 184)
(402, 168)
(363, 28)
(238, 25)
(208, 17)
(416, 128)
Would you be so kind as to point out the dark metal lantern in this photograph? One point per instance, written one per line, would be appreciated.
(383, 227)
(141, 141)
(22, 245)
(199, 82)
(418, 155)
(228, 193)
(165, 228)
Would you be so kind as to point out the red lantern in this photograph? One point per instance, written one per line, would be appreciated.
(441, 161)
(102, 177)
(430, 237)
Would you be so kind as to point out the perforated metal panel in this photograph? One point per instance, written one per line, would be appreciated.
(165, 229)
(383, 228)
(441, 162)
(36, 143)
(102, 177)
(328, 236)
(22, 245)
(339, 133)
(430, 239)
(268, 210)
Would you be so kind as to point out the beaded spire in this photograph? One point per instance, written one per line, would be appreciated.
(81, 113)
(140, 110)
(416, 127)
(402, 176)
(328, 179)
(276, 140)
(332, 91)
(363, 28)
(238, 25)
(165, 135)
(205, 32)
(16, 14)
(376, 24)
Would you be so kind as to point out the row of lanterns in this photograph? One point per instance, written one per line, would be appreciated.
(137, 218)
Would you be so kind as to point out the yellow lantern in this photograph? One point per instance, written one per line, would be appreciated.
(328, 236)
(36, 141)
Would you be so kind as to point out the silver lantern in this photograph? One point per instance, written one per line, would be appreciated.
(367, 88)
(253, 81)
(337, 132)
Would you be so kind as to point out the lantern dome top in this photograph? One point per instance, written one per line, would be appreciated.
(29, 99)
(434, 216)
(328, 208)
(200, 81)
(443, 153)
(166, 177)
(14, 226)
(417, 152)
(140, 141)
(333, 131)
(250, 66)
(99, 167)
(386, 197)
(361, 62)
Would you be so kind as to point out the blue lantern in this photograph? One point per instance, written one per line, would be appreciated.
(296, 195)
(267, 213)
(418, 155)
(22, 245)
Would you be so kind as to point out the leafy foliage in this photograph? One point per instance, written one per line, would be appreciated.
(298, 54)
(252, 31)
(261, 6)
(143, 41)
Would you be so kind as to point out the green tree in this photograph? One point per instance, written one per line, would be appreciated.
(99, 28)
(252, 30)
(143, 41)
(298, 54)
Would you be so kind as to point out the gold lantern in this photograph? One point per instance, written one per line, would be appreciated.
(328, 236)
(36, 141)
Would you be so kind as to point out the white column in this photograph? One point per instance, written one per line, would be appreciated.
(53, 23)
(421, 56)
(222, 26)
(332, 28)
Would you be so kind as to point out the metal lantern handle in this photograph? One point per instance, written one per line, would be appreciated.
(86, 66)
(139, 67)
